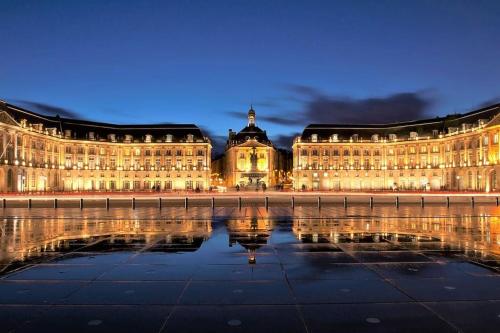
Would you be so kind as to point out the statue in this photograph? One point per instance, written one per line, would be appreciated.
(253, 160)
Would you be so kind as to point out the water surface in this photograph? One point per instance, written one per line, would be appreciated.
(251, 269)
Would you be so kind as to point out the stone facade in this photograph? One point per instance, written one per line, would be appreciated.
(250, 160)
(42, 153)
(458, 152)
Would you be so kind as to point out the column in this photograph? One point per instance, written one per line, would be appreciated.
(15, 145)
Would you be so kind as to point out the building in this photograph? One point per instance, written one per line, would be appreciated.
(456, 152)
(44, 153)
(250, 157)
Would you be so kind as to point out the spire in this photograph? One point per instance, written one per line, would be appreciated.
(251, 116)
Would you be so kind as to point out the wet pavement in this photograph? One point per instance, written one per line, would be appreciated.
(251, 270)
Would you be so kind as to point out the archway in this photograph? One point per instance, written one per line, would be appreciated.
(10, 181)
(491, 180)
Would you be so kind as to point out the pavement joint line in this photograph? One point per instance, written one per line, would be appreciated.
(292, 293)
(177, 303)
(395, 286)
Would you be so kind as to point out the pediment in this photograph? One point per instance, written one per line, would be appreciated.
(252, 143)
(494, 122)
(7, 119)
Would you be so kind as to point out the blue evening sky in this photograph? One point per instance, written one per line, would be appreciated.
(205, 61)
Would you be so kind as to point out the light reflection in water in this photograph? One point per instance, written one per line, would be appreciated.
(473, 232)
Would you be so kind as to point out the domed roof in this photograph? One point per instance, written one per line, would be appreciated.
(251, 131)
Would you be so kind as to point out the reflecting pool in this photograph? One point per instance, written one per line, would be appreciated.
(251, 269)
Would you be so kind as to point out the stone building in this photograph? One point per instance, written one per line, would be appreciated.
(250, 157)
(456, 152)
(44, 153)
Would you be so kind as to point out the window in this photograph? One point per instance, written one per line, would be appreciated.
(80, 162)
(435, 161)
(68, 162)
(314, 137)
(92, 162)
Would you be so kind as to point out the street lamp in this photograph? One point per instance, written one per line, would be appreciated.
(458, 183)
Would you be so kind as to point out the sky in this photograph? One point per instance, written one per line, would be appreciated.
(206, 62)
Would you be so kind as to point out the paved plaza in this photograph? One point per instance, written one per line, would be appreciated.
(251, 269)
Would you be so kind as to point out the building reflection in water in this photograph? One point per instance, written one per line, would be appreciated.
(475, 236)
(36, 238)
(251, 233)
(31, 239)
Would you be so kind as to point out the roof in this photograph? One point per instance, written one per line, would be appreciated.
(402, 129)
(252, 132)
(80, 128)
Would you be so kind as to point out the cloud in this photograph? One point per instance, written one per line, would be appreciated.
(218, 141)
(318, 107)
(284, 140)
(50, 110)
(237, 114)
(279, 120)
(402, 106)
(276, 119)
(489, 102)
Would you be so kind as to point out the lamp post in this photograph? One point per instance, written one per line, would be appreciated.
(458, 183)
